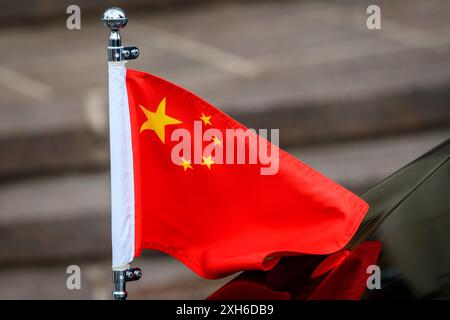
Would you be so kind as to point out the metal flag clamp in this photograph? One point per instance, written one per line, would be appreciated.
(116, 19)
(120, 278)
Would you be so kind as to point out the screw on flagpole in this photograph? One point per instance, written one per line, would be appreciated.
(116, 19)
(120, 278)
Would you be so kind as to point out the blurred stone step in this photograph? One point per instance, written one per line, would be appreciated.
(298, 66)
(65, 139)
(55, 219)
(336, 119)
(67, 218)
(359, 165)
(49, 139)
(56, 141)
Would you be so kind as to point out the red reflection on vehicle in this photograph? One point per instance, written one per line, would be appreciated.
(342, 275)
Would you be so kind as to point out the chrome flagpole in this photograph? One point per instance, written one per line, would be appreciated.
(116, 19)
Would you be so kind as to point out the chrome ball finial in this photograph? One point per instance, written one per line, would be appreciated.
(114, 18)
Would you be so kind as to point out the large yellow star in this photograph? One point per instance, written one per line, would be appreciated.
(207, 161)
(157, 121)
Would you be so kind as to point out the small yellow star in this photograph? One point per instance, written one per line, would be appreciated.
(217, 141)
(207, 161)
(186, 164)
(206, 119)
(157, 121)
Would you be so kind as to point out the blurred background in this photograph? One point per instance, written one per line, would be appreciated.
(356, 104)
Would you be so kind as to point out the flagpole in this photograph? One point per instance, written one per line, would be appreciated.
(116, 19)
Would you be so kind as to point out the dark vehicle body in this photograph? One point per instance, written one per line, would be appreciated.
(406, 234)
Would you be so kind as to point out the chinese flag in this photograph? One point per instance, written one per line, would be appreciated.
(200, 203)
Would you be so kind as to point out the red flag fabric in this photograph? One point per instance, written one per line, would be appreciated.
(201, 199)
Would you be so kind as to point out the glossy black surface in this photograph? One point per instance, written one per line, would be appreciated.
(409, 217)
